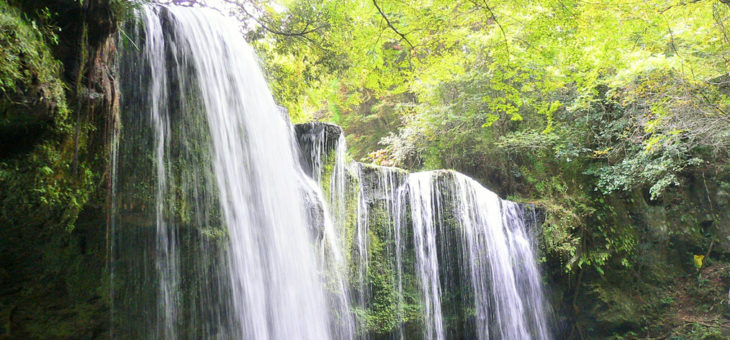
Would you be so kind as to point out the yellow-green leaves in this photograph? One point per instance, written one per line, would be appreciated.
(549, 110)
(698, 261)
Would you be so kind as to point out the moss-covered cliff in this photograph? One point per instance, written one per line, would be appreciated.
(58, 102)
(675, 279)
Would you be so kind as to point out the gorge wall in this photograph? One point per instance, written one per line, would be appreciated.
(59, 104)
(67, 273)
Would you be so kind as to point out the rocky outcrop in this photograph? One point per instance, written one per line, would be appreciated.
(54, 170)
(316, 139)
(379, 233)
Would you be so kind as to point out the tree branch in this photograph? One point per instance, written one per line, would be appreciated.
(403, 36)
(504, 34)
(266, 27)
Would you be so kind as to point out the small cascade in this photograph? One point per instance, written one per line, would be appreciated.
(361, 244)
(493, 231)
(444, 238)
(464, 240)
(426, 218)
(327, 153)
(167, 262)
(527, 273)
(376, 200)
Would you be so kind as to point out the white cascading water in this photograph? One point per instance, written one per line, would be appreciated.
(526, 270)
(166, 260)
(496, 253)
(361, 240)
(273, 271)
(490, 232)
(379, 185)
(497, 259)
(488, 223)
(331, 256)
(425, 207)
(290, 268)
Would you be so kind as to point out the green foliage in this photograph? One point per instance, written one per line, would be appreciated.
(36, 174)
(51, 156)
(27, 67)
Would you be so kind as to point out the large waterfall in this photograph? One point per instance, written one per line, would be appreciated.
(229, 222)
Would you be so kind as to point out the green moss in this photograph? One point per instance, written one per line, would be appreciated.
(27, 66)
(352, 192)
(388, 310)
(40, 187)
(53, 241)
(381, 315)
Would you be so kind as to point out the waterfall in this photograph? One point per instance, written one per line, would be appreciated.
(425, 206)
(316, 141)
(230, 223)
(467, 240)
(272, 268)
(166, 260)
(197, 60)
(492, 230)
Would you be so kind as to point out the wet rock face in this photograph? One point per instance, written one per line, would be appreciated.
(377, 181)
(58, 119)
(314, 139)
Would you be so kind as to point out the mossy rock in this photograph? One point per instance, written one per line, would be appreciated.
(33, 100)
